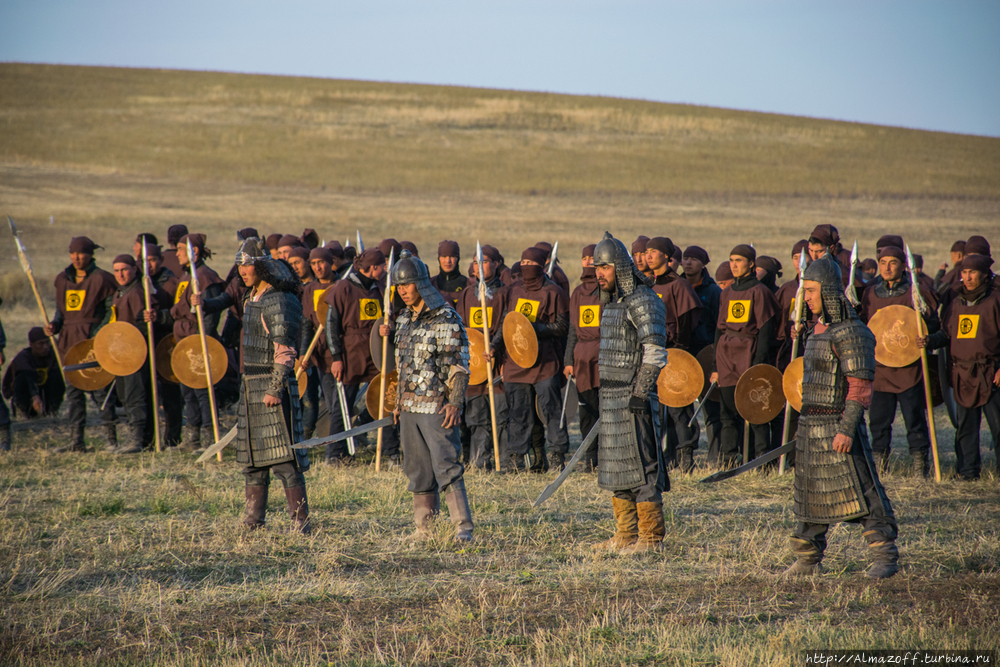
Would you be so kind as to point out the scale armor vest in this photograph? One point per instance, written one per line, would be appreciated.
(827, 487)
(625, 326)
(426, 350)
(263, 436)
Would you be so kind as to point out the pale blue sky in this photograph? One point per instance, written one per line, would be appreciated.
(929, 65)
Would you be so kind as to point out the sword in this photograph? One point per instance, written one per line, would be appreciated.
(344, 435)
(345, 415)
(701, 405)
(552, 259)
(756, 463)
(107, 397)
(581, 450)
(562, 415)
(218, 447)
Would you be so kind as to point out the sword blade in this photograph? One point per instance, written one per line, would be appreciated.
(218, 447)
(562, 415)
(701, 406)
(354, 432)
(345, 416)
(107, 397)
(571, 466)
(756, 463)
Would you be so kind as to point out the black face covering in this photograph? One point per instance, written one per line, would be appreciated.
(532, 276)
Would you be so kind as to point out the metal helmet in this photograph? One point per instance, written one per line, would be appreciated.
(612, 251)
(826, 272)
(251, 250)
(409, 270)
(276, 272)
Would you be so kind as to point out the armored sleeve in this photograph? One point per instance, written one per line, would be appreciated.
(282, 314)
(334, 333)
(849, 420)
(647, 312)
(854, 345)
(280, 373)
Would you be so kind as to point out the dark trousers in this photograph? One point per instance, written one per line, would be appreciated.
(651, 457)
(883, 410)
(732, 430)
(678, 434)
(480, 424)
(310, 401)
(590, 411)
(289, 474)
(521, 405)
(713, 431)
(430, 453)
(172, 401)
(197, 407)
(969, 462)
(336, 450)
(77, 401)
(52, 397)
(135, 397)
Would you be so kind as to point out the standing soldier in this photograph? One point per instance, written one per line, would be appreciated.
(321, 265)
(683, 311)
(971, 329)
(450, 281)
(32, 382)
(946, 280)
(547, 308)
(639, 255)
(742, 339)
(174, 234)
(826, 239)
(298, 259)
(632, 354)
(83, 305)
(583, 347)
(268, 417)
(477, 399)
(558, 275)
(898, 386)
(432, 355)
(694, 261)
(170, 395)
(835, 475)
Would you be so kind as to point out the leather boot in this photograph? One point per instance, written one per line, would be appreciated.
(425, 510)
(808, 557)
(921, 467)
(652, 528)
(298, 509)
(458, 508)
(256, 507)
(5, 438)
(76, 441)
(557, 461)
(885, 559)
(686, 455)
(207, 438)
(190, 438)
(110, 436)
(626, 526)
(133, 445)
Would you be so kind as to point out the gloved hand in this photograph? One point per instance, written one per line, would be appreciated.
(638, 406)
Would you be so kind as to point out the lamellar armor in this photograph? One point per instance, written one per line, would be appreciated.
(432, 348)
(827, 487)
(633, 335)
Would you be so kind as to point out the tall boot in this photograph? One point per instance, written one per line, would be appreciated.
(110, 436)
(207, 438)
(425, 510)
(808, 557)
(133, 445)
(298, 509)
(5, 438)
(626, 526)
(652, 529)
(76, 443)
(921, 467)
(190, 438)
(256, 507)
(458, 508)
(885, 559)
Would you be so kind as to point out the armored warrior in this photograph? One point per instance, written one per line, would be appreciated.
(432, 357)
(269, 416)
(835, 474)
(632, 353)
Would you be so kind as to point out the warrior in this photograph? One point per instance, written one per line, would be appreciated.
(632, 353)
(945, 280)
(835, 475)
(450, 281)
(321, 264)
(174, 234)
(171, 399)
(639, 255)
(825, 239)
(32, 381)
(583, 346)
(558, 275)
(268, 416)
(432, 356)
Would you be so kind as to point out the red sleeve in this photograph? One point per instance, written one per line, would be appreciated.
(859, 390)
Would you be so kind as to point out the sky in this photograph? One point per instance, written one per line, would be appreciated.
(919, 64)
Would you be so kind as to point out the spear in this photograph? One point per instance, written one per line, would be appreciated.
(920, 309)
(552, 260)
(796, 318)
(204, 344)
(386, 305)
(849, 291)
(489, 363)
(22, 255)
(361, 245)
(146, 283)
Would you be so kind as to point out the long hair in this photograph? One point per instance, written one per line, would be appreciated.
(278, 274)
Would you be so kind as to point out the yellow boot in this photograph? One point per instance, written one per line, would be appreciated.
(652, 528)
(627, 526)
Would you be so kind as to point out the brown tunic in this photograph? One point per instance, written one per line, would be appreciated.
(887, 379)
(974, 336)
(542, 305)
(470, 310)
(171, 262)
(185, 319)
(312, 294)
(741, 316)
(130, 302)
(585, 319)
(680, 299)
(359, 309)
(81, 304)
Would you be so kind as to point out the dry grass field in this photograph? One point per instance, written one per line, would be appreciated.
(138, 561)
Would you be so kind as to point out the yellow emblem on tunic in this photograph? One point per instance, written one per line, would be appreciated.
(528, 308)
(114, 314)
(476, 315)
(181, 288)
(739, 311)
(74, 299)
(968, 326)
(590, 316)
(370, 309)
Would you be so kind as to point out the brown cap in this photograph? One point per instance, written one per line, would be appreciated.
(722, 272)
(827, 235)
(889, 239)
(273, 240)
(588, 250)
(124, 258)
(197, 241)
(958, 246)
(744, 250)
(981, 263)
(390, 245)
(639, 245)
(309, 238)
(977, 245)
(449, 249)
(175, 232)
(492, 253)
(146, 237)
(36, 334)
(300, 252)
(290, 240)
(697, 252)
(800, 247)
(83, 245)
(546, 246)
(409, 245)
(677, 254)
(869, 265)
(154, 251)
(534, 254)
(323, 254)
(892, 251)
(248, 233)
(769, 264)
(661, 243)
(369, 258)
(335, 248)
(918, 261)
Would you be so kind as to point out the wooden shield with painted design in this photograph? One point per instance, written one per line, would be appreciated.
(164, 350)
(188, 363)
(371, 396)
(477, 356)
(759, 394)
(791, 383)
(520, 340)
(120, 348)
(681, 380)
(895, 329)
(91, 379)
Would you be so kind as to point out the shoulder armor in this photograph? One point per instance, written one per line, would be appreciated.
(648, 314)
(854, 344)
(283, 314)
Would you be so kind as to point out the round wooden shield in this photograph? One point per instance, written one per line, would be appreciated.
(164, 350)
(791, 383)
(371, 396)
(322, 307)
(520, 340)
(188, 363)
(303, 381)
(706, 359)
(895, 329)
(477, 356)
(120, 348)
(375, 346)
(681, 380)
(759, 395)
(91, 379)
